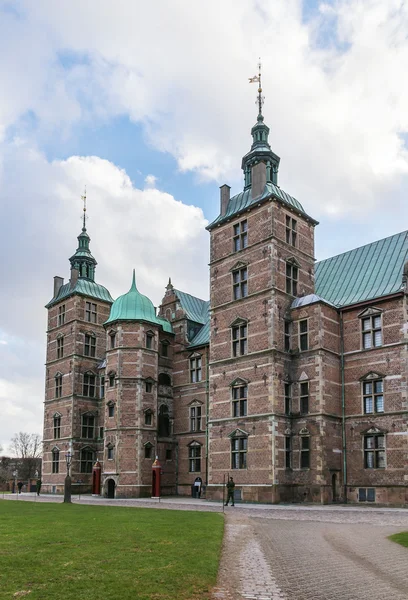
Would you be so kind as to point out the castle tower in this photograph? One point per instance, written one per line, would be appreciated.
(138, 403)
(75, 347)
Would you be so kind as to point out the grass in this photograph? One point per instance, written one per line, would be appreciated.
(71, 551)
(400, 538)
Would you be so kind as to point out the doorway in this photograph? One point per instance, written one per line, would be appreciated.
(334, 487)
(111, 488)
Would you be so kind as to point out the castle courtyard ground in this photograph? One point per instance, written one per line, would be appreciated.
(297, 552)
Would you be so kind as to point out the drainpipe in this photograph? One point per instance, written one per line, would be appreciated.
(343, 409)
(207, 405)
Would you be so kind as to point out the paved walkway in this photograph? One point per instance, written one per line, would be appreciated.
(297, 552)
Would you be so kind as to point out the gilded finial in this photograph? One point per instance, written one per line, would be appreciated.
(260, 99)
(83, 198)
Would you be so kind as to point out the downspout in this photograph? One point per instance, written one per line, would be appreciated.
(207, 406)
(343, 409)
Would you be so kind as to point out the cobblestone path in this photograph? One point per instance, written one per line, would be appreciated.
(313, 555)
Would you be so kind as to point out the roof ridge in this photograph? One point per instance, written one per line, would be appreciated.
(191, 295)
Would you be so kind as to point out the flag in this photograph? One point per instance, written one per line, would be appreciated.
(254, 79)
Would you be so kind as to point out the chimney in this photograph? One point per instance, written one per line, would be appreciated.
(224, 198)
(258, 179)
(74, 278)
(58, 283)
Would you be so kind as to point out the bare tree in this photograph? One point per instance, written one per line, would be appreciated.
(26, 447)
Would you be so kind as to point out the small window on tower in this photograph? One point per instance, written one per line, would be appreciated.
(90, 312)
(61, 314)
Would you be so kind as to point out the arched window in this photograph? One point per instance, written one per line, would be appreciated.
(86, 459)
(164, 379)
(164, 421)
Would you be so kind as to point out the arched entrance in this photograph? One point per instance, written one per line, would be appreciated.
(111, 488)
(334, 487)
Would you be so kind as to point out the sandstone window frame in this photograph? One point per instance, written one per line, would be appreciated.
(194, 457)
(195, 416)
(57, 426)
(58, 384)
(239, 398)
(112, 340)
(291, 230)
(372, 393)
(112, 378)
(61, 315)
(55, 462)
(111, 409)
(88, 426)
(292, 269)
(148, 417)
(371, 325)
(60, 346)
(239, 282)
(374, 449)
(304, 397)
(239, 450)
(148, 385)
(89, 384)
(148, 450)
(305, 449)
(91, 312)
(195, 367)
(239, 337)
(164, 348)
(303, 334)
(149, 340)
(86, 459)
(240, 235)
(110, 451)
(90, 344)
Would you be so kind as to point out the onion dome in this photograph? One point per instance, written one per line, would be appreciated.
(133, 306)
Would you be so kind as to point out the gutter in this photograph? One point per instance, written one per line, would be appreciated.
(207, 406)
(343, 410)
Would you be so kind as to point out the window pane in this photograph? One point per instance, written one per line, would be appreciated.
(368, 405)
(379, 404)
(377, 322)
(367, 340)
(368, 388)
(369, 441)
(381, 460)
(377, 338)
(366, 324)
(370, 460)
(379, 386)
(303, 326)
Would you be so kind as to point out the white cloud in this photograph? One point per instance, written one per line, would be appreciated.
(150, 180)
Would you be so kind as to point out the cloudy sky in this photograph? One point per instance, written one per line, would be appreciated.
(148, 104)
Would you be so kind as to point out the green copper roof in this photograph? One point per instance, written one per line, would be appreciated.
(84, 287)
(133, 306)
(203, 336)
(365, 273)
(196, 309)
(242, 201)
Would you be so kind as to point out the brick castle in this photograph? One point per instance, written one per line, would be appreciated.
(292, 378)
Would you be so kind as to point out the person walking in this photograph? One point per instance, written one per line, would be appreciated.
(38, 485)
(20, 486)
(230, 491)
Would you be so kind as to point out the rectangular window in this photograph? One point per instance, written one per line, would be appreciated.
(111, 410)
(149, 341)
(240, 283)
(291, 231)
(148, 451)
(148, 387)
(148, 419)
(239, 448)
(195, 369)
(112, 380)
(55, 461)
(303, 335)
(61, 314)
(240, 235)
(110, 453)
(239, 340)
(287, 335)
(102, 387)
(371, 331)
(194, 458)
(288, 398)
(90, 345)
(86, 461)
(195, 418)
(168, 454)
(366, 494)
(88, 426)
(165, 349)
(112, 340)
(304, 398)
(288, 452)
(239, 400)
(90, 312)
(305, 452)
(60, 347)
(89, 385)
(57, 427)
(58, 386)
(373, 396)
(292, 274)
(374, 451)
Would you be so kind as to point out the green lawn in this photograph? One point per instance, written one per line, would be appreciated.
(400, 538)
(70, 551)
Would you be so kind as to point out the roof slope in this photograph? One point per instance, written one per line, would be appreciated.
(244, 200)
(84, 287)
(196, 309)
(365, 273)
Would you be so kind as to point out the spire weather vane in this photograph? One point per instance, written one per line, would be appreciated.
(257, 79)
(83, 198)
